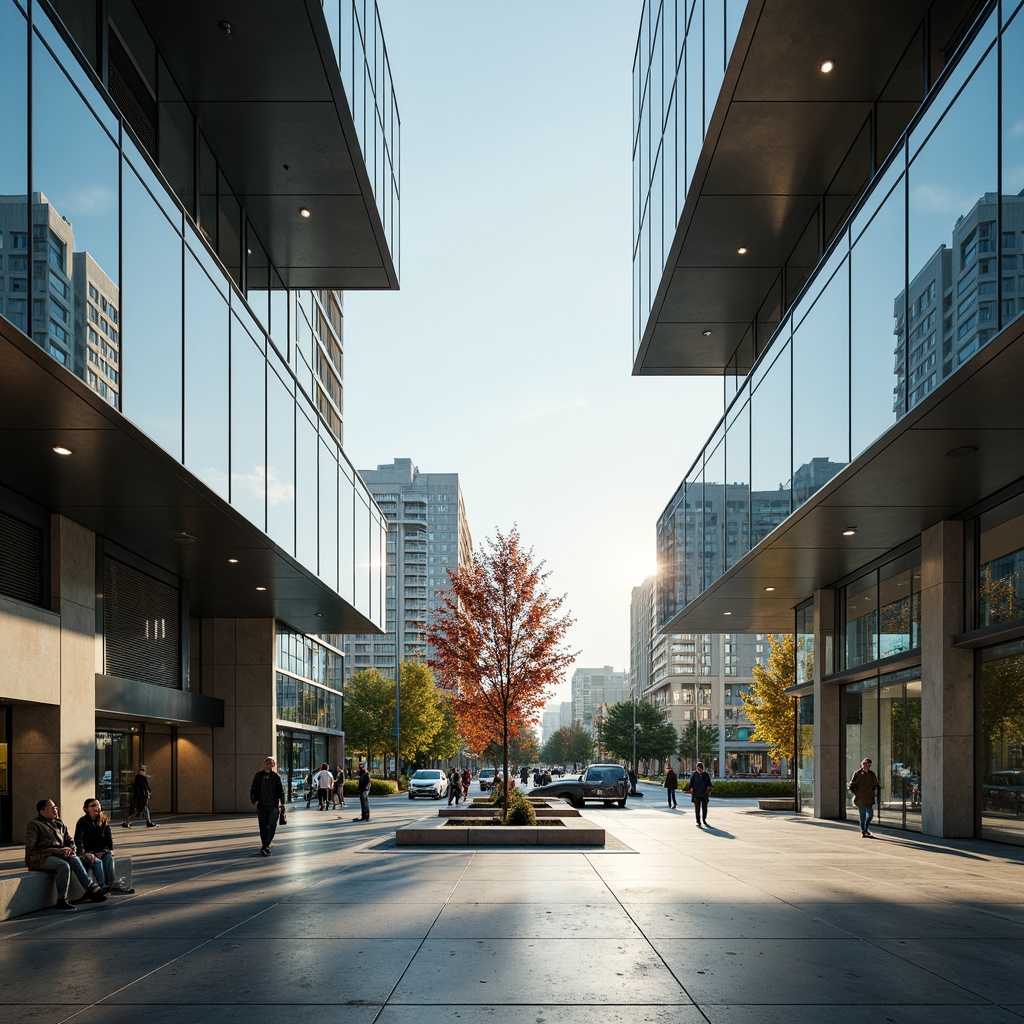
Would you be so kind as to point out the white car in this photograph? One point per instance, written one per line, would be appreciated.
(430, 782)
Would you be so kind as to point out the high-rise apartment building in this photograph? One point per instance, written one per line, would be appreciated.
(549, 723)
(592, 689)
(698, 677)
(183, 197)
(857, 286)
(428, 534)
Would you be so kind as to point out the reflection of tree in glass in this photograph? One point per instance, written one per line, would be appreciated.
(766, 705)
(905, 717)
(1002, 707)
(894, 621)
(999, 601)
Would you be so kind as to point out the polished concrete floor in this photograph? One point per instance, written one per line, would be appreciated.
(761, 919)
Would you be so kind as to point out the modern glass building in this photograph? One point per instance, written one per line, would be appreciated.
(184, 196)
(828, 215)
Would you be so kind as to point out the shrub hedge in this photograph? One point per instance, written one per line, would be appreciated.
(745, 787)
(378, 787)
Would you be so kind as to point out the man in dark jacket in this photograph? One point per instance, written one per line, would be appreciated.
(49, 847)
(700, 791)
(141, 791)
(364, 794)
(671, 785)
(267, 796)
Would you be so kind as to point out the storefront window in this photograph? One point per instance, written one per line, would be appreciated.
(882, 612)
(1001, 740)
(805, 643)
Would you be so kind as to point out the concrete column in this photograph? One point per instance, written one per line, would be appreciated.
(73, 593)
(828, 781)
(947, 688)
(238, 667)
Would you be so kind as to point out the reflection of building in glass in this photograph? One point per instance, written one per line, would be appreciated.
(74, 303)
(428, 534)
(958, 296)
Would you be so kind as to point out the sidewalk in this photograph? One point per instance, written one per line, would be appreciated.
(761, 919)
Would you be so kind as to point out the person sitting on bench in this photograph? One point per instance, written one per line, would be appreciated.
(49, 847)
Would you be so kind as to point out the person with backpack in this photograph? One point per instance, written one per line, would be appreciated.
(671, 784)
(700, 792)
(323, 781)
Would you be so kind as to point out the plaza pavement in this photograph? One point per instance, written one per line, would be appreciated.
(761, 919)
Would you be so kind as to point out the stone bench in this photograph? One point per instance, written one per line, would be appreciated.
(25, 891)
(776, 803)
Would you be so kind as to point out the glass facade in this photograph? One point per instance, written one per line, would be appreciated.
(933, 255)
(308, 704)
(147, 296)
(999, 586)
(1000, 695)
(881, 720)
(681, 56)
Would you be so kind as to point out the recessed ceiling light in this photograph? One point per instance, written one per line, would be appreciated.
(727, 613)
(233, 561)
(849, 531)
(183, 537)
(742, 250)
(261, 588)
(707, 334)
(226, 27)
(826, 67)
(61, 450)
(954, 453)
(305, 214)
(769, 589)
(319, 615)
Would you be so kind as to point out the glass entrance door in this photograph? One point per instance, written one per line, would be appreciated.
(118, 755)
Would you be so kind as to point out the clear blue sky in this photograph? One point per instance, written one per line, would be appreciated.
(506, 355)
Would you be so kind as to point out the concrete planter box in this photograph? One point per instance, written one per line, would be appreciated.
(571, 832)
(540, 811)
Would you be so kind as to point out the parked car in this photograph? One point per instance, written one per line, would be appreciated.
(429, 782)
(486, 779)
(607, 783)
(1003, 791)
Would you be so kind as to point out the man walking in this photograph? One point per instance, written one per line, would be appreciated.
(267, 796)
(863, 786)
(324, 782)
(49, 847)
(141, 792)
(700, 791)
(671, 785)
(363, 788)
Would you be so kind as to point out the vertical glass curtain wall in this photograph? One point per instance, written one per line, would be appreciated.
(681, 55)
(933, 255)
(101, 266)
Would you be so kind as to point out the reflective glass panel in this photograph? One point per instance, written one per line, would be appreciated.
(878, 309)
(694, 90)
(207, 330)
(1012, 202)
(693, 536)
(899, 598)
(805, 643)
(770, 447)
(952, 219)
(861, 618)
(306, 488)
(821, 439)
(1001, 569)
(152, 347)
(737, 479)
(281, 459)
(248, 426)
(362, 554)
(1001, 743)
(346, 538)
(14, 219)
(328, 515)
(74, 225)
(714, 508)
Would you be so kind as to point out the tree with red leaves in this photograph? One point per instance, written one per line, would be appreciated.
(498, 644)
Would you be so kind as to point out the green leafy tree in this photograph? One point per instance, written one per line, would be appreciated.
(447, 740)
(522, 749)
(656, 739)
(767, 706)
(707, 747)
(579, 744)
(370, 713)
(555, 750)
(420, 714)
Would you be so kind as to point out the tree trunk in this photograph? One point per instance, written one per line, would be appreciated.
(504, 741)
